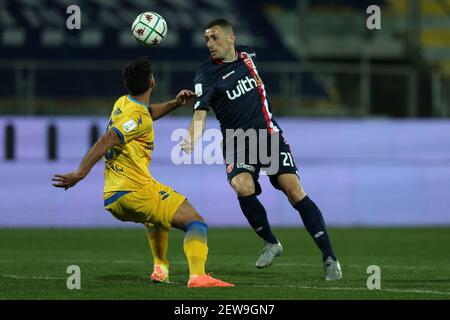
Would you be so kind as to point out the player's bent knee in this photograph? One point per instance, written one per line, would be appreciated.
(243, 185)
(244, 190)
(295, 194)
(196, 217)
(185, 215)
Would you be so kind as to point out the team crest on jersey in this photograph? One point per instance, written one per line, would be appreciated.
(230, 168)
(129, 125)
(117, 111)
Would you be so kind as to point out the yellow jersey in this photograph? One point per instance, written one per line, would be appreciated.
(127, 164)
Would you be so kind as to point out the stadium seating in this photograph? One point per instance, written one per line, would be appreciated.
(332, 30)
(36, 30)
(41, 26)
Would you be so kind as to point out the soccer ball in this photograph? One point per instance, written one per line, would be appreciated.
(149, 29)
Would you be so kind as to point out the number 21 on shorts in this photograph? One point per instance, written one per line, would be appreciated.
(287, 159)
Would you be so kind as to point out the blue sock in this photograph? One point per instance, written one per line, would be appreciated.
(315, 225)
(257, 217)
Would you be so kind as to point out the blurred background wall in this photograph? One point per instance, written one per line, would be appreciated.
(365, 111)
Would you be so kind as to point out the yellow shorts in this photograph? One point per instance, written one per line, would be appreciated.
(153, 206)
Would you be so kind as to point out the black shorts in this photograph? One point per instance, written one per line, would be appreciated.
(286, 164)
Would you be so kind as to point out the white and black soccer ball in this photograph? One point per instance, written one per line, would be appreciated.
(149, 29)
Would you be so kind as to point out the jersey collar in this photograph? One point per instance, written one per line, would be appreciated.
(220, 61)
(216, 61)
(136, 101)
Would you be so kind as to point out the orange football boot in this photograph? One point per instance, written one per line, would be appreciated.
(206, 281)
(160, 274)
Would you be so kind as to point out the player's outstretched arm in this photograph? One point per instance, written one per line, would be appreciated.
(196, 129)
(159, 110)
(97, 151)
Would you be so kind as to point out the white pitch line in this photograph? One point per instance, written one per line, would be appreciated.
(31, 277)
(364, 266)
(128, 262)
(75, 261)
(362, 289)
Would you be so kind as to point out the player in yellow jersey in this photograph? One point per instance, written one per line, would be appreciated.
(131, 193)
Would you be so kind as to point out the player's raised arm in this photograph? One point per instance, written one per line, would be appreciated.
(159, 110)
(196, 129)
(97, 151)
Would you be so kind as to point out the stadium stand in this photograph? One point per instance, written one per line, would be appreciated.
(280, 31)
(36, 30)
(40, 26)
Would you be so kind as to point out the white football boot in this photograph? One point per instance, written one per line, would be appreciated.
(332, 269)
(268, 253)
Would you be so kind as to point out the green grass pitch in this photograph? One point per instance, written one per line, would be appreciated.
(116, 263)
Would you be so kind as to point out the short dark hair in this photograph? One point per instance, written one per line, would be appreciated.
(136, 75)
(219, 22)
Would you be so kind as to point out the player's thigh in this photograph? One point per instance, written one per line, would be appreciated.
(285, 175)
(243, 179)
(184, 215)
(282, 162)
(154, 206)
(129, 206)
(165, 206)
